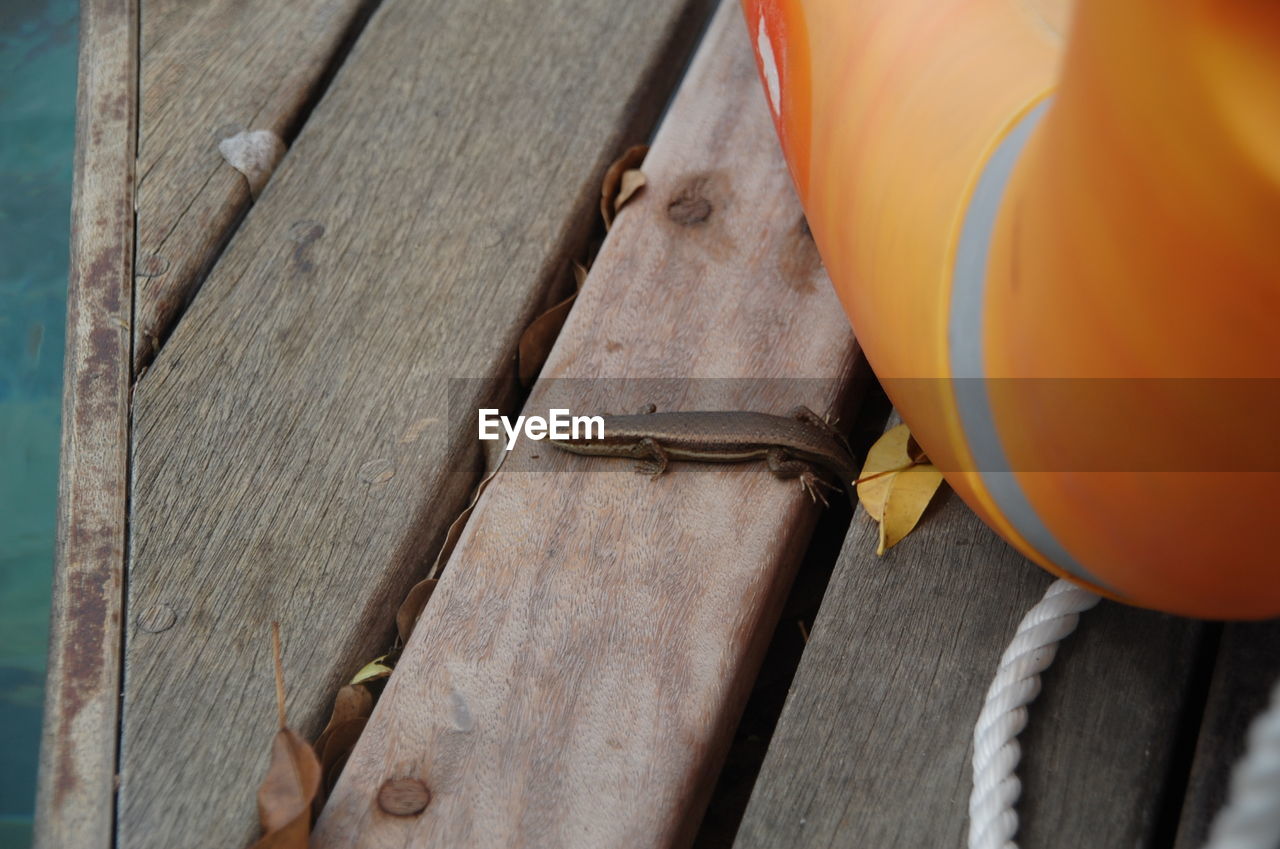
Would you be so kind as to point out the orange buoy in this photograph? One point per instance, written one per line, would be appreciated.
(1055, 230)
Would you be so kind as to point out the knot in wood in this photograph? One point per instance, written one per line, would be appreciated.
(403, 797)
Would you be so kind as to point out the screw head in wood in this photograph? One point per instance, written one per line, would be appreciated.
(151, 265)
(377, 471)
(157, 618)
(403, 797)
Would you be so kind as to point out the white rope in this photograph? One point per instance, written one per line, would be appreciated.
(1249, 820)
(1251, 817)
(992, 819)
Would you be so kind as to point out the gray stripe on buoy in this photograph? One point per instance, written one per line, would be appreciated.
(964, 341)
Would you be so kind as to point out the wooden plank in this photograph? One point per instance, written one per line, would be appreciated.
(74, 804)
(1247, 668)
(874, 745)
(294, 457)
(209, 70)
(578, 673)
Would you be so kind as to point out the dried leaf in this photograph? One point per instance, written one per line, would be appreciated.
(373, 671)
(896, 485)
(909, 494)
(288, 792)
(537, 339)
(411, 607)
(455, 529)
(632, 182)
(611, 187)
(351, 710)
(887, 456)
(337, 748)
(354, 701)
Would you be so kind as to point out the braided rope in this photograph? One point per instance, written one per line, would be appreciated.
(1249, 820)
(992, 819)
(1251, 817)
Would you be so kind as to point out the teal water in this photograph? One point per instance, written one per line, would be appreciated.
(38, 40)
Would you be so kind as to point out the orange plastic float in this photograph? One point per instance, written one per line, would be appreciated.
(1057, 234)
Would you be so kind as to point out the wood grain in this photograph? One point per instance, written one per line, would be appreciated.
(579, 671)
(209, 70)
(1247, 668)
(294, 456)
(874, 745)
(75, 801)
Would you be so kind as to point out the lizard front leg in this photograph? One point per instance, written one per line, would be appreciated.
(651, 458)
(786, 467)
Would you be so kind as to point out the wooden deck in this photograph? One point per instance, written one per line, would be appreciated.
(269, 418)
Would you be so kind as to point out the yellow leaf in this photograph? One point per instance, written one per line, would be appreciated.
(372, 671)
(910, 492)
(885, 458)
(896, 485)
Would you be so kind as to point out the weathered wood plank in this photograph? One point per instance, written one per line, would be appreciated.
(294, 459)
(1247, 668)
(209, 70)
(75, 798)
(874, 745)
(579, 671)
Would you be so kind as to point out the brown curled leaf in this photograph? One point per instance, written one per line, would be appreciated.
(455, 529)
(632, 181)
(337, 748)
(288, 791)
(536, 341)
(354, 701)
(351, 710)
(611, 186)
(411, 607)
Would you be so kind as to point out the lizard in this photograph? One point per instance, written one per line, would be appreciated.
(795, 446)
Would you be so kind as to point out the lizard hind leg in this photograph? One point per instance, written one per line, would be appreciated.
(651, 459)
(786, 467)
(804, 414)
